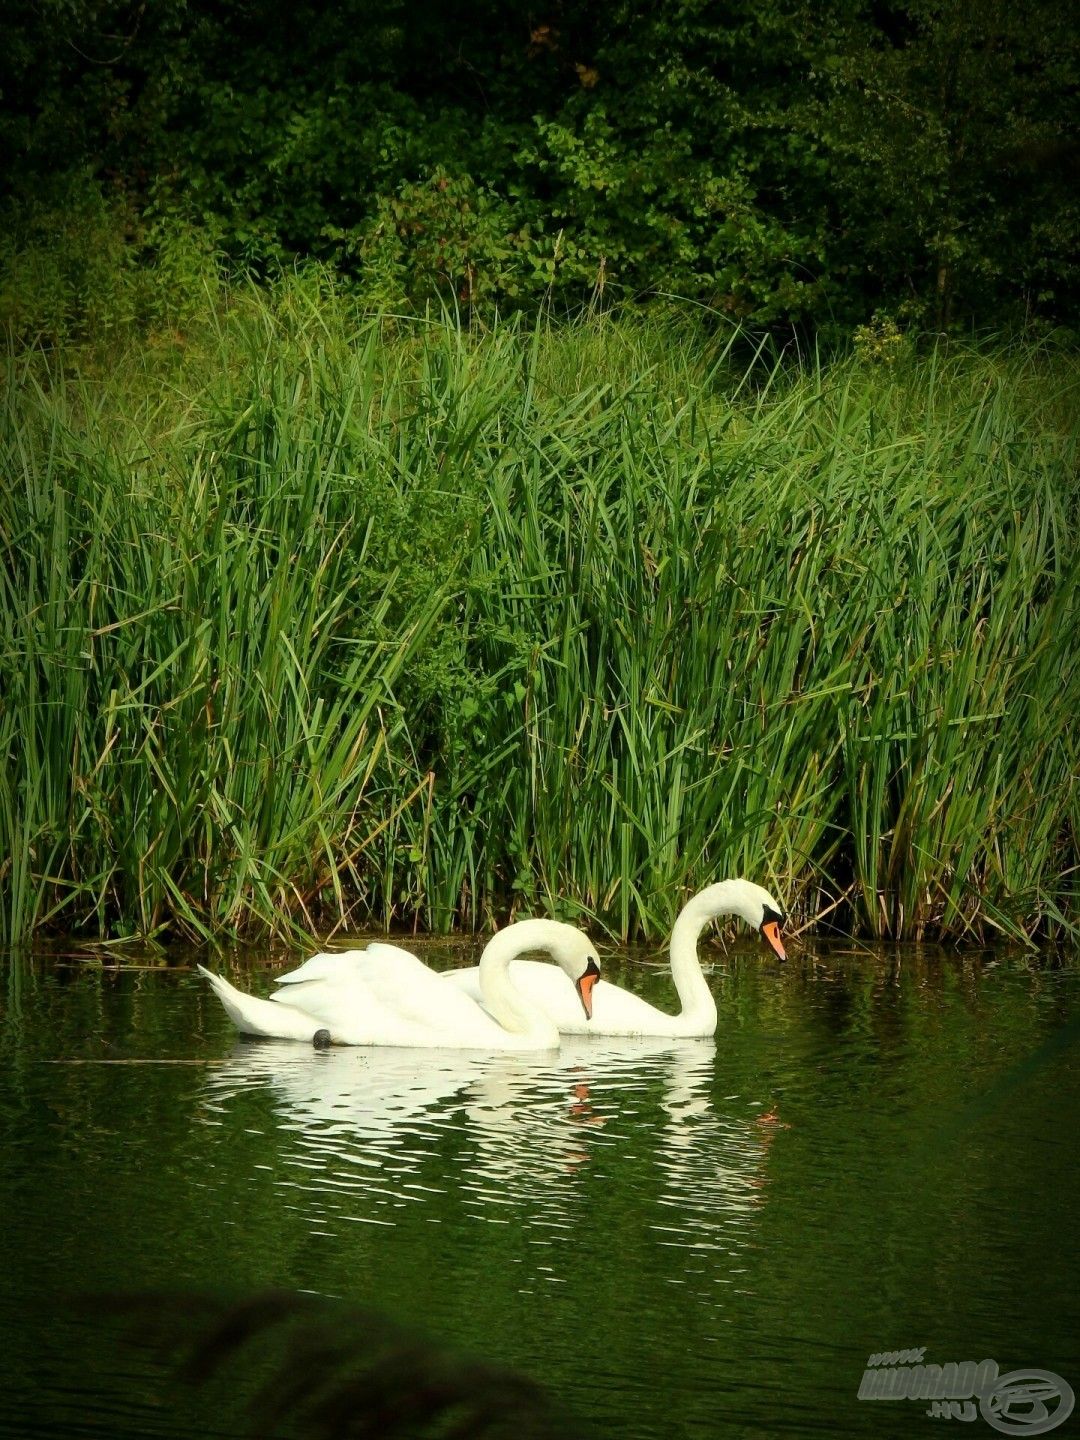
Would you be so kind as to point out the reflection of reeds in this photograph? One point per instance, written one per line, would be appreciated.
(337, 623)
(304, 1366)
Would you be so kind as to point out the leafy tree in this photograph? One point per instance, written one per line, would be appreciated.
(781, 161)
(951, 129)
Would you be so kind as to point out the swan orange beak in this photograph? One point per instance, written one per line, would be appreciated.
(771, 932)
(584, 988)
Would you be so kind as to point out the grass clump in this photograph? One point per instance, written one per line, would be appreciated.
(322, 619)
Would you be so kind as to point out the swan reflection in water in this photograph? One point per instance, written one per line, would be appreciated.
(369, 1132)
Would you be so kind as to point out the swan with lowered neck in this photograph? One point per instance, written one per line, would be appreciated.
(621, 1012)
(384, 995)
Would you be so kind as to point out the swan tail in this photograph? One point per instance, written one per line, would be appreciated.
(252, 1016)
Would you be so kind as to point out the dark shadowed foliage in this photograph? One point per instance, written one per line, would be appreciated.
(298, 1365)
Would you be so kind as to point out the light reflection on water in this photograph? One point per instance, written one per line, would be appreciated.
(678, 1239)
(364, 1132)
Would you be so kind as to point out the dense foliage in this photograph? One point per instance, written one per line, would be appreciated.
(781, 161)
(315, 609)
(329, 619)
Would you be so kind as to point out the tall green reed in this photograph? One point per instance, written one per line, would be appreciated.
(200, 650)
(335, 620)
(819, 630)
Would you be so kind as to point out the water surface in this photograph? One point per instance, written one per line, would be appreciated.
(677, 1239)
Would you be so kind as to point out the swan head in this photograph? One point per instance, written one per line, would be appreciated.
(771, 921)
(578, 959)
(751, 903)
(570, 948)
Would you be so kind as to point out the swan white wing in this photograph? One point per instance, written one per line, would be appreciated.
(346, 964)
(415, 994)
(385, 1001)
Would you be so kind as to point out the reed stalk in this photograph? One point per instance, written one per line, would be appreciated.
(331, 621)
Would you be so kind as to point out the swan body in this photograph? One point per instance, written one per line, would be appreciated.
(620, 1012)
(384, 995)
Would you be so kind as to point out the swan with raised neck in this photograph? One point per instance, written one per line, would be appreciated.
(620, 1012)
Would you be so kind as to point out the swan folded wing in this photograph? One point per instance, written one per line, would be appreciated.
(422, 998)
(389, 1003)
(350, 964)
(348, 1009)
(467, 982)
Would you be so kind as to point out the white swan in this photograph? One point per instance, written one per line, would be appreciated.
(621, 1012)
(384, 995)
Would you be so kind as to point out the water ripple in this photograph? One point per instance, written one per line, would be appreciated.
(362, 1133)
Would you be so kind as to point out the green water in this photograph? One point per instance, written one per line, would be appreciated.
(682, 1239)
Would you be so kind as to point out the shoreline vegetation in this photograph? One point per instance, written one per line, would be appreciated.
(312, 619)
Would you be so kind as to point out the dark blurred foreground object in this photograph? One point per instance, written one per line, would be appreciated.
(307, 1366)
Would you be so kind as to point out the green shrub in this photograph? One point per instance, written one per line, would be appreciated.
(76, 266)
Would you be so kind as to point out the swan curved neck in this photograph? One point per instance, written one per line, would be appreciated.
(502, 999)
(698, 1004)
